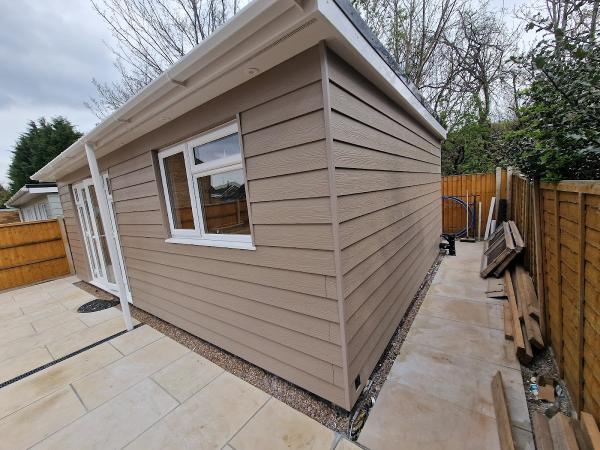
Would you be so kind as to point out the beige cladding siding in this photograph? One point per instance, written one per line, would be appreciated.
(387, 179)
(276, 306)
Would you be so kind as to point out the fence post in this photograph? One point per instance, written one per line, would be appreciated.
(65, 239)
(559, 350)
(539, 257)
(498, 188)
(509, 174)
(580, 339)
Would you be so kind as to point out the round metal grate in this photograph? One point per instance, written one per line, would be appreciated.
(97, 305)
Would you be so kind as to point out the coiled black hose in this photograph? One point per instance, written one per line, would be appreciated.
(469, 211)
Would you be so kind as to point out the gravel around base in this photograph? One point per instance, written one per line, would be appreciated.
(544, 364)
(323, 411)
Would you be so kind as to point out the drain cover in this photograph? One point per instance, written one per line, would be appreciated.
(97, 305)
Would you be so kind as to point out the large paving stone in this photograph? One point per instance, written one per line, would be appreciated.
(207, 420)
(406, 419)
(135, 339)
(10, 332)
(34, 387)
(462, 339)
(46, 337)
(37, 421)
(113, 379)
(115, 423)
(18, 365)
(53, 320)
(186, 376)
(278, 426)
(85, 337)
(462, 381)
(485, 314)
(94, 318)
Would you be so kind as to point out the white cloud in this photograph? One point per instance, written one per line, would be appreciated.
(49, 53)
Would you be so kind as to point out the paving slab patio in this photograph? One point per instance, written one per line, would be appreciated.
(437, 394)
(138, 390)
(40, 323)
(144, 390)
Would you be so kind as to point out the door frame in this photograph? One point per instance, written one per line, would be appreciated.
(95, 256)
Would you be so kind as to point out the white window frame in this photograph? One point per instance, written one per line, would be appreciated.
(198, 235)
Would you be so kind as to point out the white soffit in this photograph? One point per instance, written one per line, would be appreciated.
(28, 193)
(264, 34)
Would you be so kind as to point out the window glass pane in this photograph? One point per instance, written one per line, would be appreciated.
(224, 205)
(213, 150)
(179, 194)
(110, 273)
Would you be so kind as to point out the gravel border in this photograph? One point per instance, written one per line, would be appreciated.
(544, 364)
(323, 411)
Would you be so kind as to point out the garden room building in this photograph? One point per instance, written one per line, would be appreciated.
(275, 193)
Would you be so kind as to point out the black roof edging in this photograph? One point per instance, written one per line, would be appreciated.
(354, 16)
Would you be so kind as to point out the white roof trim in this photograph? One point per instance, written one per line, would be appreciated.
(263, 34)
(28, 193)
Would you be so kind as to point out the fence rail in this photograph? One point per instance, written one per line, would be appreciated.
(564, 255)
(31, 252)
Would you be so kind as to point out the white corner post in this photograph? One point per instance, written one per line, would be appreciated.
(110, 239)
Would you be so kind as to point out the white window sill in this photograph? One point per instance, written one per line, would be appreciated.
(211, 243)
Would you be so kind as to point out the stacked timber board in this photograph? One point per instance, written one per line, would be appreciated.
(563, 432)
(560, 432)
(521, 314)
(501, 249)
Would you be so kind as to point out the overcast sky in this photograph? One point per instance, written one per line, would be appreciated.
(49, 52)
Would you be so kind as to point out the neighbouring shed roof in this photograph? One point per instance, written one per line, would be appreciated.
(262, 35)
(29, 192)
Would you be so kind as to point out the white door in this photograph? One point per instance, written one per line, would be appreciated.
(95, 236)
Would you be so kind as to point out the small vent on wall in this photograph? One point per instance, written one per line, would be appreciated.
(357, 383)
(289, 35)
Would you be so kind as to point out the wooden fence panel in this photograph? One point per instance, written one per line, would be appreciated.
(9, 216)
(482, 186)
(568, 259)
(31, 252)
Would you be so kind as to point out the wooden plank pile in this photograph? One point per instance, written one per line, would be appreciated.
(563, 432)
(558, 433)
(522, 314)
(501, 249)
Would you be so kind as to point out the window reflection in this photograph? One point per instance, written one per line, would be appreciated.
(179, 194)
(217, 149)
(224, 206)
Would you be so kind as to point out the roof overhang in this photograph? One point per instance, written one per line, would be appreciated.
(262, 35)
(30, 192)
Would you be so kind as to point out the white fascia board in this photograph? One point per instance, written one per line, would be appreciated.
(371, 60)
(27, 194)
(43, 190)
(126, 122)
(264, 34)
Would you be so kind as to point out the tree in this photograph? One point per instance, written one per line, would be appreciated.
(151, 36)
(38, 145)
(4, 196)
(560, 119)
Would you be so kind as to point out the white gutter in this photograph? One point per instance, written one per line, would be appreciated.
(175, 76)
(25, 194)
(110, 238)
(196, 78)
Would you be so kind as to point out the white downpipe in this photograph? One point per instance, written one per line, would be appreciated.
(110, 239)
